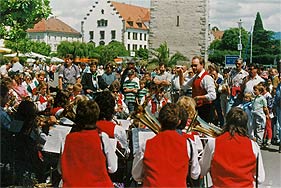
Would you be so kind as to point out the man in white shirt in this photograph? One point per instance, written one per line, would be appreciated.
(203, 88)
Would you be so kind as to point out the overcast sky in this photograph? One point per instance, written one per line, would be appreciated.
(223, 13)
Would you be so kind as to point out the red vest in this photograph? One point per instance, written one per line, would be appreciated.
(106, 127)
(154, 104)
(234, 163)
(197, 90)
(83, 162)
(166, 160)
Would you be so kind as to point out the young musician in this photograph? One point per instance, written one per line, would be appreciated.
(233, 159)
(164, 160)
(88, 155)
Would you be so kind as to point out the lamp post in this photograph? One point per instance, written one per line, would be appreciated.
(240, 42)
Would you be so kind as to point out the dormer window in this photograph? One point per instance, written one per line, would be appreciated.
(139, 24)
(130, 23)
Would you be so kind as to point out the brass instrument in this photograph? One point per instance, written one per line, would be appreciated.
(199, 125)
(144, 115)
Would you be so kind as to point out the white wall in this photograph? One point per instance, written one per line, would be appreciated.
(114, 22)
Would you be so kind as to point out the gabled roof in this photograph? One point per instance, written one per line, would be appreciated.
(54, 25)
(137, 15)
(218, 34)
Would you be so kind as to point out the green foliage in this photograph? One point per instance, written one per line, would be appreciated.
(265, 49)
(142, 53)
(103, 53)
(20, 15)
(162, 55)
(218, 57)
(26, 45)
(230, 39)
(258, 23)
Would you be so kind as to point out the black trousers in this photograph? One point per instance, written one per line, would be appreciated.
(205, 112)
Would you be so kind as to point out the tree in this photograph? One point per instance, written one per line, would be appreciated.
(265, 48)
(142, 53)
(18, 16)
(26, 45)
(162, 55)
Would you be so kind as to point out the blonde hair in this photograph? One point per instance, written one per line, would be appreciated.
(248, 95)
(77, 87)
(188, 104)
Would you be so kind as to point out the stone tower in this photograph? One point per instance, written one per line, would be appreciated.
(182, 23)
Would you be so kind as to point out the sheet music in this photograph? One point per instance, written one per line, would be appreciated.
(139, 137)
(56, 138)
(124, 123)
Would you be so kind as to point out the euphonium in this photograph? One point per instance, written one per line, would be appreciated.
(145, 117)
(199, 125)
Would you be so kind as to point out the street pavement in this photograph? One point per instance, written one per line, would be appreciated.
(272, 165)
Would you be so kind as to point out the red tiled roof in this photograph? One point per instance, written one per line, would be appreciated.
(137, 15)
(52, 24)
(218, 34)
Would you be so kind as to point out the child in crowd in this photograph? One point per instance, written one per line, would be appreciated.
(42, 100)
(259, 111)
(130, 88)
(247, 107)
(157, 101)
(267, 136)
(77, 89)
(142, 92)
(121, 109)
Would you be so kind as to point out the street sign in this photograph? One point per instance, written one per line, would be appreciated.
(230, 60)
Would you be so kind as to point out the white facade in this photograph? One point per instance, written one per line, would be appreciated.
(103, 24)
(53, 38)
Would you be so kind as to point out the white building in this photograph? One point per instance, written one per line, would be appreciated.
(109, 21)
(52, 31)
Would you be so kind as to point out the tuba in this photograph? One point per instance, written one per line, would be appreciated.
(143, 115)
(199, 125)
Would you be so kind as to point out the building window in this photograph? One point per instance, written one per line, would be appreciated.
(129, 35)
(140, 36)
(128, 48)
(140, 46)
(139, 25)
(55, 38)
(144, 46)
(91, 33)
(102, 23)
(178, 21)
(135, 36)
(102, 11)
(135, 47)
(102, 35)
(113, 34)
(130, 23)
(145, 37)
(102, 43)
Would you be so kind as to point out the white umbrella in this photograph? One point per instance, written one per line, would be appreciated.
(34, 55)
(15, 55)
(30, 60)
(56, 60)
(5, 50)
